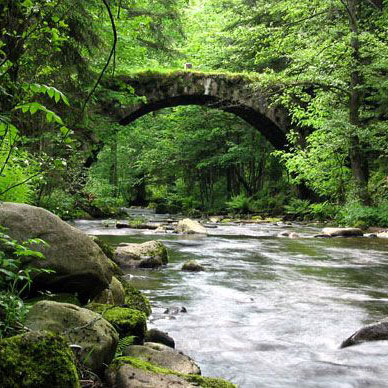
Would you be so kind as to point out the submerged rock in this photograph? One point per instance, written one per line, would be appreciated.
(160, 337)
(374, 332)
(79, 264)
(96, 337)
(37, 359)
(343, 232)
(127, 322)
(129, 372)
(189, 226)
(192, 266)
(151, 254)
(163, 356)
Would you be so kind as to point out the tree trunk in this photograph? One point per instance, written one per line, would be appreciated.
(358, 160)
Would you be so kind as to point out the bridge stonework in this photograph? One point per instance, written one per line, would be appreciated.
(234, 93)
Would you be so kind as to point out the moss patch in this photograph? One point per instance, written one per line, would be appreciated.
(134, 299)
(205, 382)
(37, 359)
(127, 321)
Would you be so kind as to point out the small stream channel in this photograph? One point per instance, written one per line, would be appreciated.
(269, 311)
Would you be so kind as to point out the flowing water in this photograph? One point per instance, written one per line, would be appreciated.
(269, 311)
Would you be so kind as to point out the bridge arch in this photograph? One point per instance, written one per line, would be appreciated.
(231, 93)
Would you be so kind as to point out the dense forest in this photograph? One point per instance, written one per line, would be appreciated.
(326, 63)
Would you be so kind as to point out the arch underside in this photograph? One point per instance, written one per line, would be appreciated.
(263, 124)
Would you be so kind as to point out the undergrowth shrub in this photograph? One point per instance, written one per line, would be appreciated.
(15, 280)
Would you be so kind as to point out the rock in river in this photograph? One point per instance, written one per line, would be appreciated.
(374, 332)
(189, 226)
(192, 266)
(343, 232)
(96, 337)
(79, 264)
(151, 254)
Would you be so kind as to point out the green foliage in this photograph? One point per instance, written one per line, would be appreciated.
(16, 278)
(298, 208)
(122, 345)
(357, 215)
(240, 204)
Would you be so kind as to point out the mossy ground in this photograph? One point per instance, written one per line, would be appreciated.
(36, 360)
(127, 321)
(201, 381)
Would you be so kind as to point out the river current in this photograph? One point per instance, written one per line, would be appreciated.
(269, 311)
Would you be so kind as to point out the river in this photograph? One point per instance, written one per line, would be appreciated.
(269, 311)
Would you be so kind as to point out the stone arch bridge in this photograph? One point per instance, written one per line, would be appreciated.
(234, 93)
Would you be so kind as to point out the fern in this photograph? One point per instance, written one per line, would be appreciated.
(123, 343)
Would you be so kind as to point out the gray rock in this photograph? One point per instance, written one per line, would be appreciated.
(160, 337)
(114, 295)
(192, 266)
(127, 376)
(79, 264)
(374, 332)
(163, 356)
(151, 254)
(343, 232)
(96, 337)
(188, 226)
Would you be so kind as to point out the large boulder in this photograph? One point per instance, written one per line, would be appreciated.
(151, 254)
(128, 372)
(343, 232)
(189, 226)
(115, 294)
(375, 332)
(164, 356)
(128, 322)
(96, 337)
(37, 359)
(79, 264)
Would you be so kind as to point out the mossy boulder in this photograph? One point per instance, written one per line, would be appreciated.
(35, 360)
(79, 264)
(115, 294)
(128, 322)
(164, 356)
(192, 266)
(96, 336)
(128, 372)
(135, 299)
(151, 254)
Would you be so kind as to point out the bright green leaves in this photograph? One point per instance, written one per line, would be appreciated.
(49, 90)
